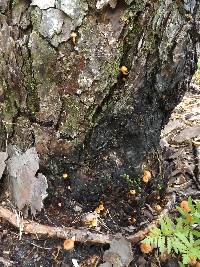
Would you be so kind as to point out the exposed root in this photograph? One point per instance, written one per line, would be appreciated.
(81, 235)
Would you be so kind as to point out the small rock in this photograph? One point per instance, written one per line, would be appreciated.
(119, 255)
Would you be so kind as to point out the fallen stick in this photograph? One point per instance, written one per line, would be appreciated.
(30, 227)
(81, 235)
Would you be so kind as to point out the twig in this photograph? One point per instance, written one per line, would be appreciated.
(81, 234)
(37, 246)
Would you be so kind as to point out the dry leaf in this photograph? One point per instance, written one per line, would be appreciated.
(26, 189)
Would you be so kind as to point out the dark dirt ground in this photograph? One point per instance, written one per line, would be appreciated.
(122, 212)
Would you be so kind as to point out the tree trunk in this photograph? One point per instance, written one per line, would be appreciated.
(66, 95)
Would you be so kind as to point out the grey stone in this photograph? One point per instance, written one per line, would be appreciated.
(119, 255)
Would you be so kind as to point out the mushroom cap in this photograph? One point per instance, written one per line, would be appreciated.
(68, 244)
(145, 248)
(185, 205)
(124, 70)
(73, 34)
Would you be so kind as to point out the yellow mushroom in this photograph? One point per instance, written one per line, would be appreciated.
(157, 208)
(124, 70)
(185, 206)
(65, 175)
(73, 35)
(145, 248)
(68, 244)
(146, 177)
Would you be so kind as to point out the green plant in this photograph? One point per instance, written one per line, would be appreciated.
(180, 236)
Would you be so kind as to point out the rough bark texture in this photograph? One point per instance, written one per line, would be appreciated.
(68, 98)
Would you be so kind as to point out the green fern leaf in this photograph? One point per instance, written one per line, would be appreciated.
(192, 207)
(186, 259)
(191, 238)
(156, 231)
(196, 233)
(169, 245)
(161, 244)
(198, 206)
(183, 238)
(182, 212)
(178, 246)
(197, 242)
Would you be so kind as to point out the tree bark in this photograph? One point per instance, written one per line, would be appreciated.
(67, 96)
